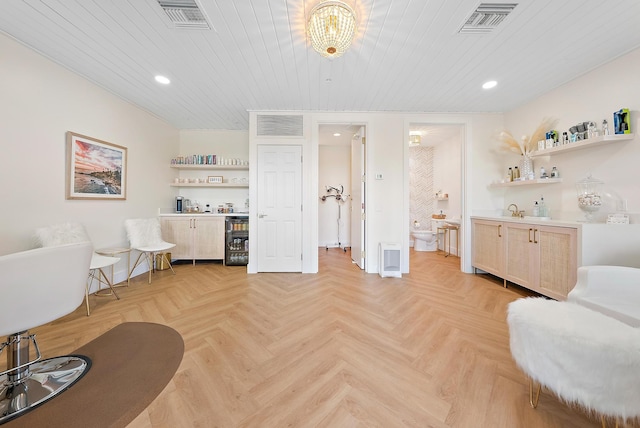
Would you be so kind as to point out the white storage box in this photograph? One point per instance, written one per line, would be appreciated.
(389, 260)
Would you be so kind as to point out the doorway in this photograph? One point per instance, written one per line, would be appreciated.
(435, 182)
(341, 188)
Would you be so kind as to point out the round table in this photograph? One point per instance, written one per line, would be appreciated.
(114, 252)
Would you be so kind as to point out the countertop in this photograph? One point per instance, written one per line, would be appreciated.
(532, 220)
(202, 214)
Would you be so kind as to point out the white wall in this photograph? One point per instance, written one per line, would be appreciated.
(387, 154)
(226, 143)
(592, 97)
(40, 102)
(334, 169)
(447, 176)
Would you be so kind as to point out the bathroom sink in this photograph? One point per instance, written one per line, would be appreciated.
(453, 221)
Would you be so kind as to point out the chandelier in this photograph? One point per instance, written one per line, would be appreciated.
(331, 27)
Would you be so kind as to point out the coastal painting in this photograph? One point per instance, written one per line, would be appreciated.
(95, 169)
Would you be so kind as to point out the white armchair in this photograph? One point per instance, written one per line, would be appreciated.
(37, 287)
(611, 290)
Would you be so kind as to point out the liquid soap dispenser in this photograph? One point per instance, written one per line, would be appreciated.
(536, 209)
(543, 210)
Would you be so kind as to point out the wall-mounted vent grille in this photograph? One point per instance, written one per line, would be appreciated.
(486, 18)
(185, 14)
(279, 125)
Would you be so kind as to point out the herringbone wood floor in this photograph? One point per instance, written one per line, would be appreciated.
(338, 349)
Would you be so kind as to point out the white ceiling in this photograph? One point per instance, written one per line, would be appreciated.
(407, 55)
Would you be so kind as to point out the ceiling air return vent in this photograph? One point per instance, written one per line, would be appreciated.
(486, 17)
(279, 125)
(185, 14)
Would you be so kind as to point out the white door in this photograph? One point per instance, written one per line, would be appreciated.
(357, 198)
(279, 194)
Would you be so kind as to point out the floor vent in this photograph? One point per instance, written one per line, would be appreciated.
(185, 14)
(279, 125)
(486, 18)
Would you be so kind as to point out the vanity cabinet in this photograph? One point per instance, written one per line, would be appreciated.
(196, 237)
(541, 258)
(488, 246)
(538, 257)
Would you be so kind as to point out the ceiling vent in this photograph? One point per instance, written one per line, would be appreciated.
(185, 14)
(278, 125)
(486, 17)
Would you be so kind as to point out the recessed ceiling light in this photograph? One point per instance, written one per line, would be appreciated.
(163, 80)
(490, 84)
(337, 134)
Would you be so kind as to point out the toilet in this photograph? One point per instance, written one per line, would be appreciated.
(427, 240)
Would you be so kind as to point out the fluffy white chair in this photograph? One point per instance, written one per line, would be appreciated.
(612, 290)
(37, 287)
(145, 236)
(582, 356)
(69, 233)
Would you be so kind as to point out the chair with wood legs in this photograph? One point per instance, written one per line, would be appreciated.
(145, 236)
(72, 232)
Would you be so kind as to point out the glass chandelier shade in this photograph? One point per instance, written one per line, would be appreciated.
(331, 27)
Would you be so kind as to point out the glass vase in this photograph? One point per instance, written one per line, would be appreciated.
(526, 168)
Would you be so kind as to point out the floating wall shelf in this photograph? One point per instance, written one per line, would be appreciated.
(528, 182)
(578, 145)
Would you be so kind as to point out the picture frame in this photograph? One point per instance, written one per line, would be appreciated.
(214, 179)
(96, 169)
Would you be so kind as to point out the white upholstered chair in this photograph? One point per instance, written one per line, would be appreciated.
(37, 287)
(582, 356)
(145, 236)
(72, 232)
(612, 290)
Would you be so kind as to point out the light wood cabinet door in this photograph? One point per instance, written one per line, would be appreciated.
(541, 258)
(558, 265)
(196, 238)
(487, 251)
(521, 265)
(177, 230)
(208, 238)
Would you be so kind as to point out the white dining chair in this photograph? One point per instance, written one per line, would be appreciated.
(72, 232)
(145, 236)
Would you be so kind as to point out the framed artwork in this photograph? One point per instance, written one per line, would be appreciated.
(95, 169)
(214, 179)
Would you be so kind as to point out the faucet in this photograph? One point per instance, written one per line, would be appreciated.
(515, 213)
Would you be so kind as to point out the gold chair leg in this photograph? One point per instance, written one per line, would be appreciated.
(135, 265)
(534, 400)
(604, 422)
(152, 266)
(106, 280)
(86, 294)
(164, 256)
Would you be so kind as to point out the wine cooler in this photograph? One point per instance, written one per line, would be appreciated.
(237, 241)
